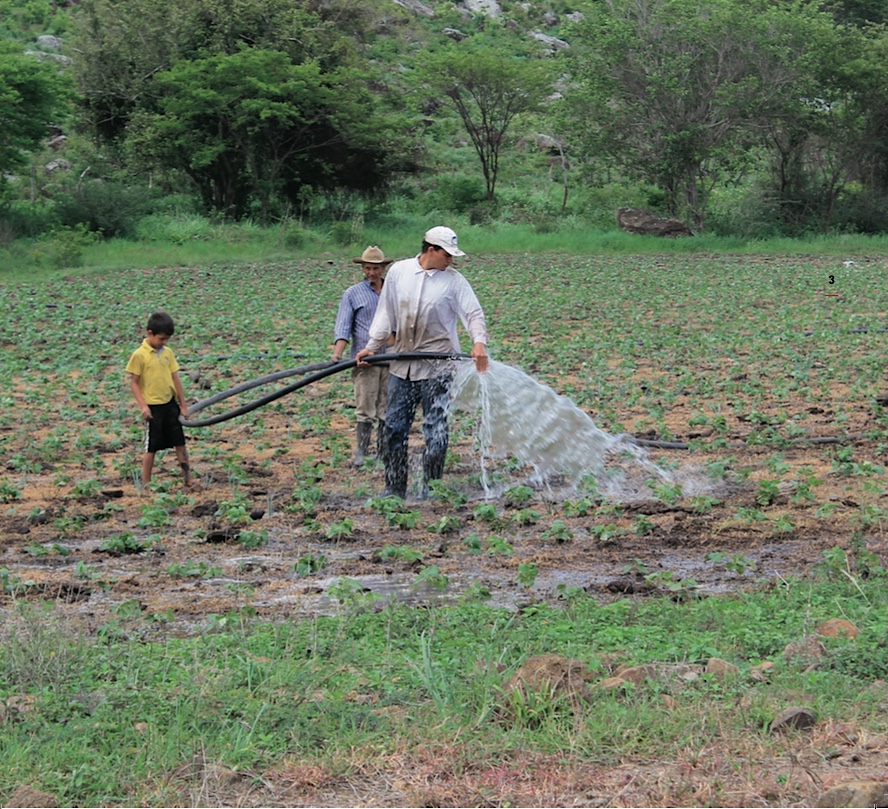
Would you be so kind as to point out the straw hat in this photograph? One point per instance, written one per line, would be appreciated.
(373, 255)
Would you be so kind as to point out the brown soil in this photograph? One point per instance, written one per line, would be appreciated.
(75, 571)
(680, 536)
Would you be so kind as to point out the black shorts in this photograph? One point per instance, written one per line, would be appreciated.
(163, 430)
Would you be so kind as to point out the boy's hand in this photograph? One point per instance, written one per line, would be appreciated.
(146, 413)
(183, 409)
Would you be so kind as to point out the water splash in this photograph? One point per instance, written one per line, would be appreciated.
(521, 418)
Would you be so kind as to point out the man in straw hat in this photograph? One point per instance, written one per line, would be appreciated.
(421, 302)
(356, 311)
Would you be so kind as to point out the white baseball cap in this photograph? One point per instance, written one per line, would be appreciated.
(443, 237)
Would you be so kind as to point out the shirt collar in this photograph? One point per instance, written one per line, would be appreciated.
(147, 346)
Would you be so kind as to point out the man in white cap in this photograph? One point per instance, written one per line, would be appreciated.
(421, 301)
(356, 311)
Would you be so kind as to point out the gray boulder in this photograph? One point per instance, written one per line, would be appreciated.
(48, 42)
(416, 7)
(489, 8)
(647, 223)
(553, 43)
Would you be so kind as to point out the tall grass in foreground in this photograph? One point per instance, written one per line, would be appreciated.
(108, 717)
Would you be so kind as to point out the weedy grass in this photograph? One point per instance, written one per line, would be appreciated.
(103, 719)
(174, 242)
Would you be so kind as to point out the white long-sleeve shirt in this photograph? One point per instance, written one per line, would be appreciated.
(421, 308)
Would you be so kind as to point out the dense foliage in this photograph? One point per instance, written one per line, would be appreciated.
(743, 117)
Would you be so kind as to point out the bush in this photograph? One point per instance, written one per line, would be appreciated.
(109, 208)
(459, 193)
(860, 210)
(64, 247)
(25, 219)
(175, 229)
(750, 212)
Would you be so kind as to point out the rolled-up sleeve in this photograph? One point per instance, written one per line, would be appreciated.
(381, 326)
(344, 320)
(471, 314)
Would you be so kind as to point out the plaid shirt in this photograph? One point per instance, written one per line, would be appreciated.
(356, 311)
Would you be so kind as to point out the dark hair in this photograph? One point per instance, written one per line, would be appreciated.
(426, 246)
(161, 323)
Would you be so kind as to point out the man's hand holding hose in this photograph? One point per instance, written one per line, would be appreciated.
(479, 354)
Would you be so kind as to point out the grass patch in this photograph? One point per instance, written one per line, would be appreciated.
(122, 713)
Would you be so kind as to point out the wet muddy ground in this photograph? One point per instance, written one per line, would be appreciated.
(296, 533)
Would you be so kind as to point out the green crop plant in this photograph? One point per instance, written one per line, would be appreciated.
(432, 577)
(124, 543)
(309, 564)
(252, 539)
(606, 533)
(352, 595)
(527, 574)
(485, 512)
(235, 511)
(404, 519)
(557, 532)
(154, 515)
(667, 580)
(498, 546)
(86, 488)
(703, 504)
(526, 516)
(341, 529)
(193, 570)
(446, 494)
(473, 543)
(8, 492)
(578, 508)
(69, 525)
(518, 496)
(669, 493)
(403, 553)
(445, 525)
(783, 524)
(768, 491)
(12, 582)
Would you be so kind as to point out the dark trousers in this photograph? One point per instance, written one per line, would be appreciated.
(404, 395)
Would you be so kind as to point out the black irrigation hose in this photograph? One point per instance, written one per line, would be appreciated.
(817, 439)
(316, 372)
(321, 370)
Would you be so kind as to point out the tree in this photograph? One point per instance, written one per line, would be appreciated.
(676, 92)
(488, 88)
(33, 95)
(251, 99)
(253, 125)
(122, 45)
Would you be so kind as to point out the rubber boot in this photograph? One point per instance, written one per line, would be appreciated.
(432, 469)
(380, 441)
(363, 429)
(395, 471)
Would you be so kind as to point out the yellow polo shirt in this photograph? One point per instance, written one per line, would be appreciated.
(155, 370)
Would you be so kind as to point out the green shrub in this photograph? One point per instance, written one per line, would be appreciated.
(174, 229)
(64, 247)
(25, 219)
(110, 208)
(459, 194)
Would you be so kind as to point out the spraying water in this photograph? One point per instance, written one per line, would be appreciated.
(527, 420)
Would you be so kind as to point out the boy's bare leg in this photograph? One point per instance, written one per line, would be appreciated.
(147, 468)
(182, 456)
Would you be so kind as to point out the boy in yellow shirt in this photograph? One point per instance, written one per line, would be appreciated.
(154, 380)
